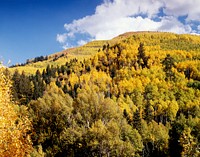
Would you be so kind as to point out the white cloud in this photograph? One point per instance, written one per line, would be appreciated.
(61, 37)
(171, 24)
(66, 45)
(189, 8)
(114, 17)
(82, 42)
(198, 27)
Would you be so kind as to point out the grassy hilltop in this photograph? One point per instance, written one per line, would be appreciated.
(60, 58)
(155, 41)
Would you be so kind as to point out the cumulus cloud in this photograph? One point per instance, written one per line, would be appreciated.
(198, 27)
(61, 37)
(189, 8)
(81, 42)
(114, 17)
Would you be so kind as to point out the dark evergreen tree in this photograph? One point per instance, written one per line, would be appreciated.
(168, 63)
(15, 85)
(175, 148)
(22, 88)
(45, 75)
(38, 75)
(142, 59)
(127, 117)
(137, 119)
(195, 84)
(39, 85)
(25, 89)
(188, 72)
(148, 110)
(48, 71)
(65, 89)
(58, 83)
(63, 69)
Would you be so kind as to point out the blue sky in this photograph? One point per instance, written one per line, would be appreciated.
(31, 28)
(28, 28)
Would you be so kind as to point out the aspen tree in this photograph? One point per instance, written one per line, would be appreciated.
(14, 140)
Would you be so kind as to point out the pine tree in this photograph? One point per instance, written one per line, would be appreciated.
(65, 89)
(25, 89)
(137, 119)
(39, 85)
(168, 64)
(142, 59)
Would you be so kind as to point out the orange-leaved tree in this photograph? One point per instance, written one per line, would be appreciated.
(14, 140)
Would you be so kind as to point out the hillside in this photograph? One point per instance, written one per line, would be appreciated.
(135, 95)
(61, 58)
(165, 41)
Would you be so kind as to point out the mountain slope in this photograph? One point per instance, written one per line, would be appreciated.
(61, 58)
(139, 95)
(154, 40)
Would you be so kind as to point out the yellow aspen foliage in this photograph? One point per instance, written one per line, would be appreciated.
(126, 104)
(73, 79)
(172, 109)
(190, 147)
(14, 140)
(100, 79)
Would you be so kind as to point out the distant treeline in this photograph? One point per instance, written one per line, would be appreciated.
(38, 59)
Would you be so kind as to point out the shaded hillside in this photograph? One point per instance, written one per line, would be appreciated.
(137, 95)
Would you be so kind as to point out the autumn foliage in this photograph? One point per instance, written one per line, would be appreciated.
(138, 95)
(14, 140)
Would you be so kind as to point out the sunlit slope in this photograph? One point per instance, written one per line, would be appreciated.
(81, 53)
(161, 43)
(155, 42)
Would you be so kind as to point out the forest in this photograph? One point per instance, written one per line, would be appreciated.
(138, 96)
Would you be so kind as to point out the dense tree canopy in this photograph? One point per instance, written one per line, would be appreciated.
(14, 128)
(137, 97)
